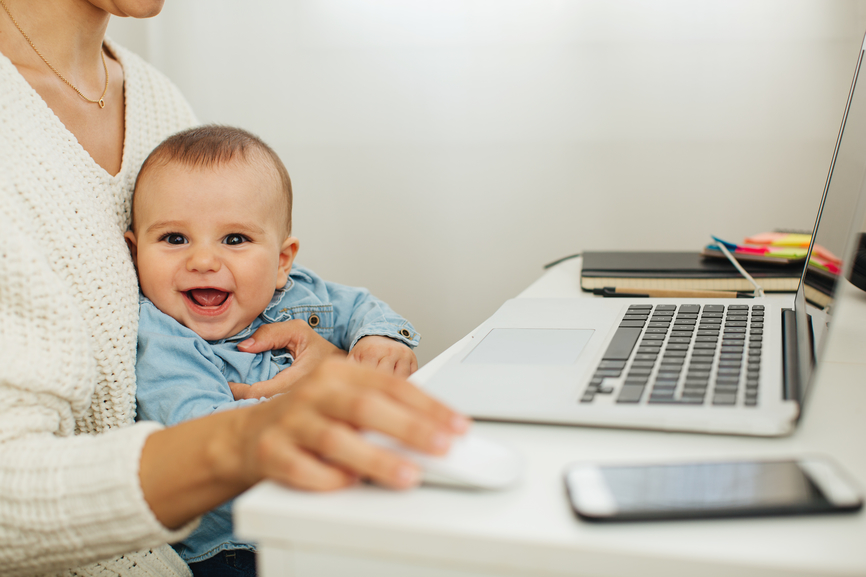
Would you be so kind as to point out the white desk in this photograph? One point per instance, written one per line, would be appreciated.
(530, 529)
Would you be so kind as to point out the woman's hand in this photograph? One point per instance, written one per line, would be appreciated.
(307, 438)
(386, 354)
(308, 348)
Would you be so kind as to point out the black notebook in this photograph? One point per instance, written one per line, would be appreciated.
(682, 271)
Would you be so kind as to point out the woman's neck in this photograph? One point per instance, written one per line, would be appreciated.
(68, 33)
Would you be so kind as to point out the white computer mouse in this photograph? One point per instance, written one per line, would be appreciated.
(473, 462)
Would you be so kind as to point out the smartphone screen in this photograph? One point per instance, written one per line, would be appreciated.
(713, 489)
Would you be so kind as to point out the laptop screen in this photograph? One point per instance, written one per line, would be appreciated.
(834, 234)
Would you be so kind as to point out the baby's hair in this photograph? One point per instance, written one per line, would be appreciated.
(214, 145)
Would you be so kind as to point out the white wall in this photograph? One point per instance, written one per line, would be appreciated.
(443, 150)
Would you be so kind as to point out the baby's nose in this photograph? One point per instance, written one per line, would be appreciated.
(203, 259)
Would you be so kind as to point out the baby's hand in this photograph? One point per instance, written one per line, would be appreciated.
(386, 354)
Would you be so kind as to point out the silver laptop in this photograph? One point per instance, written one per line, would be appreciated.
(740, 366)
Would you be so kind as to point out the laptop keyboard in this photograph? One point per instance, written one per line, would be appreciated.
(688, 355)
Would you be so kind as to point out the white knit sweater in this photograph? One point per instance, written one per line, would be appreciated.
(69, 451)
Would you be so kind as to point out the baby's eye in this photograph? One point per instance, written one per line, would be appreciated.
(235, 239)
(174, 238)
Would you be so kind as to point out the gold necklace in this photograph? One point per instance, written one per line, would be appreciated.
(101, 100)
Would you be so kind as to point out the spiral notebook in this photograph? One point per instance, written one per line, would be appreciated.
(682, 271)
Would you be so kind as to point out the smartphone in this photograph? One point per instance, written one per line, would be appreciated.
(709, 489)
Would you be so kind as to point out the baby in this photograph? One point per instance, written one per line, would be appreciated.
(211, 240)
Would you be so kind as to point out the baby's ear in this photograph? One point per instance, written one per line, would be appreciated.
(288, 252)
(129, 236)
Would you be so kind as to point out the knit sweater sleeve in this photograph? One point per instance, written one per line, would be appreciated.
(66, 499)
(70, 493)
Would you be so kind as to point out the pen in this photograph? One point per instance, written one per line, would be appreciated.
(627, 292)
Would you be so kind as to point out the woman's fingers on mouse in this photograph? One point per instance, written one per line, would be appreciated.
(319, 419)
(410, 395)
(371, 409)
(355, 378)
(396, 407)
(287, 463)
(342, 445)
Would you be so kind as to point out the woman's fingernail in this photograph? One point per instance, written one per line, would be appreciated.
(246, 343)
(459, 424)
(408, 476)
(441, 441)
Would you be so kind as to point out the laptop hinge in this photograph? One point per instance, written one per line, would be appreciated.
(790, 356)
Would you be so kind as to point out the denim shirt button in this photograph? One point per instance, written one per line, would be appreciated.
(405, 333)
(314, 320)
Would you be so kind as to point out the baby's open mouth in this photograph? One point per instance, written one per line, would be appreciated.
(207, 297)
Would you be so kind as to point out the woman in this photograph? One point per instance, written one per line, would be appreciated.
(84, 490)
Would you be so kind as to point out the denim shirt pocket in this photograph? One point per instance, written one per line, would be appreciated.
(319, 317)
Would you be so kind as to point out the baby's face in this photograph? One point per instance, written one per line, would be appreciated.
(211, 244)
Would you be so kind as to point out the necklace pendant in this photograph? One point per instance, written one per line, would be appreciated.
(101, 103)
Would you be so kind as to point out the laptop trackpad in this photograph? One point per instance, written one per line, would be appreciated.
(530, 347)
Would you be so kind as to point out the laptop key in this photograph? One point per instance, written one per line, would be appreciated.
(677, 347)
(725, 399)
(607, 373)
(622, 344)
(663, 400)
(703, 353)
(630, 394)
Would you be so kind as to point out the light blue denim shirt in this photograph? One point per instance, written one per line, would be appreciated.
(181, 376)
